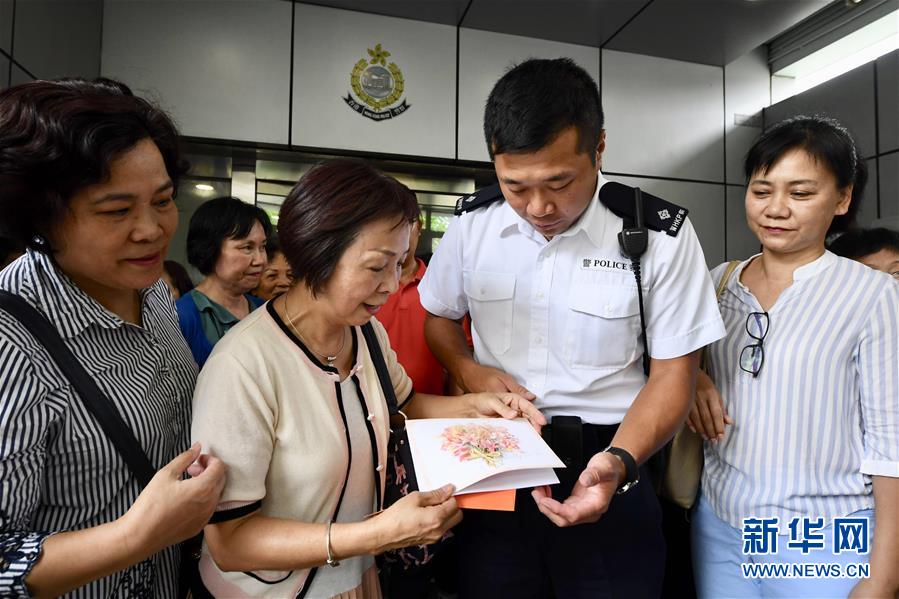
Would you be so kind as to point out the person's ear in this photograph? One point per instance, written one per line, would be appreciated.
(844, 202)
(600, 148)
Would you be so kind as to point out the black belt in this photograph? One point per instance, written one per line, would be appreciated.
(575, 442)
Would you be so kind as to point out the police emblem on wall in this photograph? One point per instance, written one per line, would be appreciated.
(378, 86)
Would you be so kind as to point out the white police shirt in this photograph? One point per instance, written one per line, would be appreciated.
(561, 316)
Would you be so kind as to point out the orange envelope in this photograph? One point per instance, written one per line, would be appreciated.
(489, 500)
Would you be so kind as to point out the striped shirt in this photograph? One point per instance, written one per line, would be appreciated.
(822, 416)
(58, 469)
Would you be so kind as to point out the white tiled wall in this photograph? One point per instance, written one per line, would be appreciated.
(483, 58)
(663, 117)
(221, 68)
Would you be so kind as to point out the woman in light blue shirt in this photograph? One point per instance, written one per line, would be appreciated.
(802, 420)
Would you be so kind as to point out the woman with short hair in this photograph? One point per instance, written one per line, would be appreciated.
(807, 380)
(226, 242)
(88, 174)
(291, 401)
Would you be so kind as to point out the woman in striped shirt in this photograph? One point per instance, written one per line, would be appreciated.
(87, 178)
(802, 431)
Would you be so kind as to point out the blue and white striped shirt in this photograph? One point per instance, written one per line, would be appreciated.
(822, 416)
(58, 469)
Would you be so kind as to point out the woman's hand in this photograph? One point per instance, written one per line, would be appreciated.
(171, 509)
(505, 405)
(417, 519)
(707, 416)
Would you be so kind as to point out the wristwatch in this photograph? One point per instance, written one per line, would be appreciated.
(631, 472)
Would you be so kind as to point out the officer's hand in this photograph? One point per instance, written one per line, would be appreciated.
(476, 378)
(590, 496)
(707, 416)
(505, 405)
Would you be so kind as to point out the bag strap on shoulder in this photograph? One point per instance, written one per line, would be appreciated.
(377, 356)
(98, 404)
(731, 267)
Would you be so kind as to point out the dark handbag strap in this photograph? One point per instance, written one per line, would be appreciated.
(100, 406)
(377, 356)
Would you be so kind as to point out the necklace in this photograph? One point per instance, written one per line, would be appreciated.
(329, 359)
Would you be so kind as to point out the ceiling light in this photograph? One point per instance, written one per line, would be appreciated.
(862, 46)
(204, 187)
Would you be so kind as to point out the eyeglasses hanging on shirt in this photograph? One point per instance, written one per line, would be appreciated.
(752, 358)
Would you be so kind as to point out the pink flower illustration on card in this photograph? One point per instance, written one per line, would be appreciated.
(486, 442)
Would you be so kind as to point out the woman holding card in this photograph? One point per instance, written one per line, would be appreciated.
(291, 401)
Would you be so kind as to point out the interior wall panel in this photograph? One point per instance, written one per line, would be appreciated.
(663, 117)
(4, 72)
(59, 38)
(889, 190)
(483, 58)
(6, 23)
(18, 76)
(867, 212)
(327, 45)
(888, 101)
(221, 68)
(746, 94)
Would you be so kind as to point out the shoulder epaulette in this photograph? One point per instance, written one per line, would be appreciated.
(482, 197)
(658, 214)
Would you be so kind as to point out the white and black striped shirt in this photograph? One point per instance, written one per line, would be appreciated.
(822, 416)
(58, 470)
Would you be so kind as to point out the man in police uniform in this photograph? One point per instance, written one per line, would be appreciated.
(555, 316)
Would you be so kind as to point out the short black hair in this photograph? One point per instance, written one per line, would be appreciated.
(326, 209)
(825, 140)
(179, 276)
(536, 100)
(57, 137)
(857, 243)
(214, 222)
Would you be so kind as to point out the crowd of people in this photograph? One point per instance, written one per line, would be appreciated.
(256, 399)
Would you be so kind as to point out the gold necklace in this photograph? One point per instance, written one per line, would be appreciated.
(329, 359)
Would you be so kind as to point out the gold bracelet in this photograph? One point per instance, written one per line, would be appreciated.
(331, 561)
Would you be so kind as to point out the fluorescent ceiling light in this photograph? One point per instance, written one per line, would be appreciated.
(859, 47)
(204, 187)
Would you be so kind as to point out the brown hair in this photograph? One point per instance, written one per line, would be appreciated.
(326, 209)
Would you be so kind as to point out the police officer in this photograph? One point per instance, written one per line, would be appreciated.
(555, 316)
